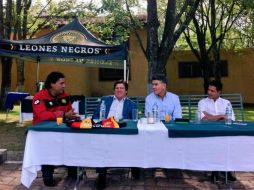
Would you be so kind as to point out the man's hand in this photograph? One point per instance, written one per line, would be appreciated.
(71, 114)
(211, 117)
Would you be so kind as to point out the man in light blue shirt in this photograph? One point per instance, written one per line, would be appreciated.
(167, 102)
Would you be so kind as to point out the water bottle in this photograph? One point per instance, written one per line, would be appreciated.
(102, 111)
(155, 112)
(228, 119)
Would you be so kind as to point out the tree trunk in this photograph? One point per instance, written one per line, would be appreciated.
(1, 20)
(21, 34)
(6, 80)
(20, 76)
(6, 62)
(205, 73)
(152, 40)
(217, 65)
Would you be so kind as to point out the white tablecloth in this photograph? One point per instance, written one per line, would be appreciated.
(150, 148)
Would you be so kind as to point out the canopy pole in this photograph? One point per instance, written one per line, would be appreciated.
(37, 72)
(128, 74)
(124, 70)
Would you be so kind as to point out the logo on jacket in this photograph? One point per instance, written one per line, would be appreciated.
(36, 102)
(64, 101)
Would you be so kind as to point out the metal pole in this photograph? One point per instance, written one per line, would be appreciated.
(37, 72)
(128, 74)
(124, 70)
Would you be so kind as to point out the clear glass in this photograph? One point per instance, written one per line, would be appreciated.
(150, 118)
(197, 116)
(162, 115)
(102, 110)
(134, 114)
(228, 115)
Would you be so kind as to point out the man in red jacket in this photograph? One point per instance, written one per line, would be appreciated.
(48, 104)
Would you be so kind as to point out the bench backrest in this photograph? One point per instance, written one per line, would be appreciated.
(189, 104)
(92, 102)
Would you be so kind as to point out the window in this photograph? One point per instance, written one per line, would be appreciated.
(110, 74)
(192, 69)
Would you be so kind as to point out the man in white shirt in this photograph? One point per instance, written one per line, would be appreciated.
(213, 108)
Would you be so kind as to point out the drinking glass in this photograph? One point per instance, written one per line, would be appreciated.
(167, 117)
(59, 120)
(197, 116)
(150, 118)
(135, 114)
(162, 115)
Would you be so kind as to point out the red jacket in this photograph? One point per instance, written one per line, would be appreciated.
(47, 107)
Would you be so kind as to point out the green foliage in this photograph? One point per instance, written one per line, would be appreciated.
(45, 13)
(240, 35)
(116, 25)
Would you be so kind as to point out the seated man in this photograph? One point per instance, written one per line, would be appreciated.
(48, 104)
(213, 108)
(120, 107)
(167, 102)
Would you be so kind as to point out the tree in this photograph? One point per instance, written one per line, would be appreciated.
(6, 62)
(178, 15)
(241, 34)
(206, 34)
(28, 23)
(25, 21)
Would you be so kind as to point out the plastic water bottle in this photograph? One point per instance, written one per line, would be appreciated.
(228, 119)
(102, 111)
(155, 112)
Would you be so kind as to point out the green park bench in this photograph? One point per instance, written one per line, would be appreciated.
(189, 104)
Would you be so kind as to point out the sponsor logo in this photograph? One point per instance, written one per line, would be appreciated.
(69, 37)
(62, 49)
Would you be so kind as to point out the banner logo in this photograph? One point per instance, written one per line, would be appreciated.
(69, 37)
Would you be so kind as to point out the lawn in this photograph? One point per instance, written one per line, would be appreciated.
(249, 113)
(12, 136)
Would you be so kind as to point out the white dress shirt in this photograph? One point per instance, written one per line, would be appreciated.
(116, 109)
(216, 107)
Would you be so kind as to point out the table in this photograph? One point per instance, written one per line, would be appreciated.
(12, 97)
(150, 148)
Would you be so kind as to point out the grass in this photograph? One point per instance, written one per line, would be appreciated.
(12, 135)
(249, 113)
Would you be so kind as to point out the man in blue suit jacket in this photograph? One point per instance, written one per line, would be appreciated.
(117, 105)
(120, 107)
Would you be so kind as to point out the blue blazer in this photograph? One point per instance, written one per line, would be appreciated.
(128, 105)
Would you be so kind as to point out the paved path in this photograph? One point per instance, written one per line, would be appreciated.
(119, 179)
